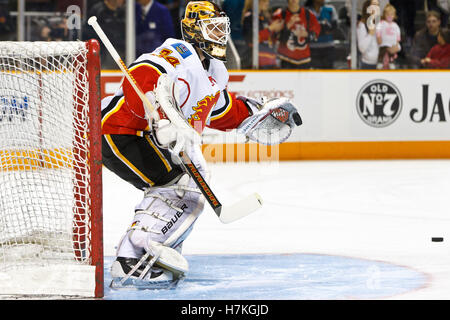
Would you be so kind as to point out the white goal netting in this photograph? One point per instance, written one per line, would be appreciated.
(44, 155)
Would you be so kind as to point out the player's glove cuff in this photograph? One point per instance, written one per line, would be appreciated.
(253, 105)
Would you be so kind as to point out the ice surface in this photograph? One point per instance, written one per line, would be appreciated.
(372, 219)
(274, 277)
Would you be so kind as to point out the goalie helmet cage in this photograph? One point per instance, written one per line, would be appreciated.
(50, 169)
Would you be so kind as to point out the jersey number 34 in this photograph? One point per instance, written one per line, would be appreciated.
(165, 54)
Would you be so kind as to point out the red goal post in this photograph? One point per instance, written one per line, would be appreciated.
(50, 169)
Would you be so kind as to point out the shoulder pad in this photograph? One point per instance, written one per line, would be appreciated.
(177, 53)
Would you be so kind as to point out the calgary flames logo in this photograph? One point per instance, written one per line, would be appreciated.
(201, 111)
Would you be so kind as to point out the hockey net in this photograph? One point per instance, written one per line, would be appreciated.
(50, 169)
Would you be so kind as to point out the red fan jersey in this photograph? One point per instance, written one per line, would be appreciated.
(292, 47)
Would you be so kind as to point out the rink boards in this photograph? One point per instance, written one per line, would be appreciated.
(346, 114)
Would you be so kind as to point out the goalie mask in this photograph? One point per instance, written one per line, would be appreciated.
(207, 27)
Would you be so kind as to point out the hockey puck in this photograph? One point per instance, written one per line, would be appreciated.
(297, 119)
(437, 239)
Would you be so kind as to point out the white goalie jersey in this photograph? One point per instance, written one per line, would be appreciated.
(201, 94)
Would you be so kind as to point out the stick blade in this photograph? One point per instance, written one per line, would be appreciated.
(241, 208)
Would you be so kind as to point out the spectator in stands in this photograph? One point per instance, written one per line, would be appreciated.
(62, 5)
(267, 29)
(54, 30)
(300, 28)
(388, 38)
(439, 55)
(7, 28)
(44, 33)
(366, 39)
(406, 15)
(153, 25)
(359, 7)
(173, 6)
(40, 5)
(441, 6)
(424, 39)
(322, 51)
(234, 10)
(111, 17)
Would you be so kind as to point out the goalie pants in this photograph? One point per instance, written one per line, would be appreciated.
(138, 160)
(164, 215)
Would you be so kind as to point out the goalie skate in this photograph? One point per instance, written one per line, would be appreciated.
(155, 278)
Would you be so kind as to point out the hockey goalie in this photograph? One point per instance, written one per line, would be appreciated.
(189, 75)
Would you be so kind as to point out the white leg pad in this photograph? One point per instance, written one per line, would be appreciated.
(163, 219)
(170, 259)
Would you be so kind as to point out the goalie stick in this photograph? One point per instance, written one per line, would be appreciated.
(226, 214)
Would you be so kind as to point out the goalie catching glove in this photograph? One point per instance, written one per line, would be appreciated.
(272, 121)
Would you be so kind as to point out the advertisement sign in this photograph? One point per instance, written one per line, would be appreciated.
(347, 111)
(360, 106)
